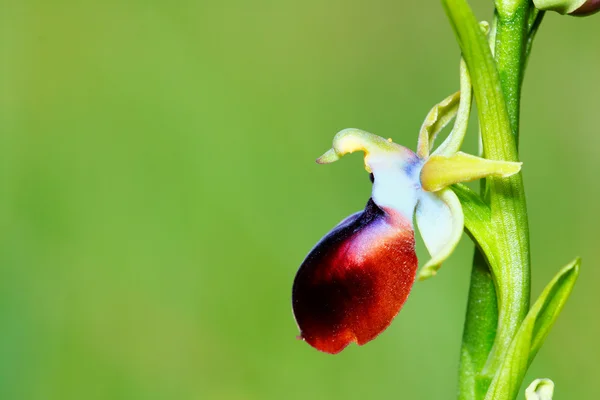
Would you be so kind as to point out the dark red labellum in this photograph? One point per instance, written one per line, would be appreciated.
(355, 280)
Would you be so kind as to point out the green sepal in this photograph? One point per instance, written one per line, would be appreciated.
(532, 333)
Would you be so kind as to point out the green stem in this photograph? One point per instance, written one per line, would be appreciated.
(497, 87)
(482, 309)
(507, 196)
(479, 331)
(511, 42)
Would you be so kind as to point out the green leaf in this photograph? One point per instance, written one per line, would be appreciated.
(532, 333)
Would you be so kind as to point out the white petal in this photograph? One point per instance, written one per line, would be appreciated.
(396, 185)
(441, 221)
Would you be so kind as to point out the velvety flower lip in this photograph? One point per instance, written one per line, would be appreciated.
(355, 280)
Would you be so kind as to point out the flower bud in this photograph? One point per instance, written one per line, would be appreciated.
(588, 8)
(572, 7)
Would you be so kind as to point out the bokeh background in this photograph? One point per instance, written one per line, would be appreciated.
(158, 191)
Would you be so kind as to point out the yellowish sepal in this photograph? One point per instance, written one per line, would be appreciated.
(439, 116)
(351, 140)
(329, 157)
(441, 171)
(455, 139)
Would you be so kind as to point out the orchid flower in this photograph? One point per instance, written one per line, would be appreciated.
(357, 278)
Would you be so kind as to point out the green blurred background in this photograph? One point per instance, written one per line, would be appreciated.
(158, 191)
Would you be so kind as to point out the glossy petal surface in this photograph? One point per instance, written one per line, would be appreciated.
(355, 280)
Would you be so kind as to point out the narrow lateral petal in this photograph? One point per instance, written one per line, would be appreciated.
(439, 116)
(441, 171)
(441, 221)
(455, 139)
(355, 280)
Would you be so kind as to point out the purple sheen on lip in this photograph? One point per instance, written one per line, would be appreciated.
(355, 280)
